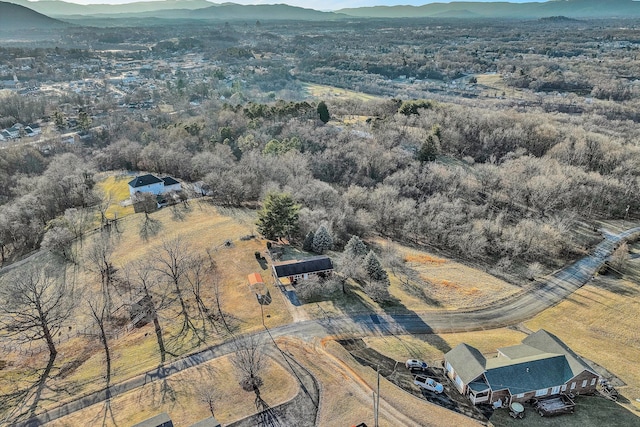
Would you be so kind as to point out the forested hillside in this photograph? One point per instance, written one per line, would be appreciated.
(509, 145)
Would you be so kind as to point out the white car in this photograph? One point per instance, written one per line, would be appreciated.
(416, 364)
(428, 384)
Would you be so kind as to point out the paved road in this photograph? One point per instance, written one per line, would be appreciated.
(512, 311)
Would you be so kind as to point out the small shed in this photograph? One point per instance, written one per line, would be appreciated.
(257, 284)
(161, 420)
(142, 312)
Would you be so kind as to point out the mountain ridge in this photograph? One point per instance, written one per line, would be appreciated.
(16, 17)
(205, 10)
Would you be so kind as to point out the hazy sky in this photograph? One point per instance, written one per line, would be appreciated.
(313, 4)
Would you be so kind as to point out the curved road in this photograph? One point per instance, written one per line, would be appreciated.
(511, 311)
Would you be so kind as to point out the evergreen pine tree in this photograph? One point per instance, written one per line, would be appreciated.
(323, 112)
(278, 217)
(307, 245)
(429, 149)
(374, 269)
(355, 248)
(322, 240)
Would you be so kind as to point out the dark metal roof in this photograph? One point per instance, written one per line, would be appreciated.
(169, 181)
(531, 375)
(546, 341)
(309, 265)
(161, 420)
(141, 181)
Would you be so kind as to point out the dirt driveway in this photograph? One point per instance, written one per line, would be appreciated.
(398, 374)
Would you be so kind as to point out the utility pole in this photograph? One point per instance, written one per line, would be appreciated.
(376, 400)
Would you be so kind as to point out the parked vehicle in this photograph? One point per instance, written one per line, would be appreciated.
(428, 384)
(416, 364)
(561, 404)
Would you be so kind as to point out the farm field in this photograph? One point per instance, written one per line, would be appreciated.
(329, 92)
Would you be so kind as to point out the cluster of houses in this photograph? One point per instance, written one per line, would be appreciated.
(19, 130)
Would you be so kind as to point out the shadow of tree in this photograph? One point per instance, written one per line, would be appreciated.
(22, 404)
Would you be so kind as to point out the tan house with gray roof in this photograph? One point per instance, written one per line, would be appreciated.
(541, 366)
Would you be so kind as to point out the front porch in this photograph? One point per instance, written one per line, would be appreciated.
(479, 392)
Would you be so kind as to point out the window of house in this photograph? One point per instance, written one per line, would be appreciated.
(555, 390)
(573, 385)
(593, 381)
(542, 392)
(584, 383)
(564, 387)
(520, 395)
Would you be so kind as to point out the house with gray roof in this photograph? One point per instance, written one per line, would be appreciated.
(302, 269)
(150, 183)
(541, 366)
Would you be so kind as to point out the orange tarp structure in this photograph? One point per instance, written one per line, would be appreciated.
(255, 278)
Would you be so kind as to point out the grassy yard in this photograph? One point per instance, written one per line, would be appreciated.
(600, 322)
(431, 348)
(590, 411)
(425, 282)
(429, 281)
(179, 397)
(79, 367)
(116, 188)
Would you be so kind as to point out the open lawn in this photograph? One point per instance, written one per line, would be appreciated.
(328, 92)
(213, 234)
(423, 282)
(180, 397)
(493, 85)
(431, 347)
(590, 411)
(600, 322)
(116, 189)
(430, 281)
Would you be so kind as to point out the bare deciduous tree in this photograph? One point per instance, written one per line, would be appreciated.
(99, 314)
(173, 261)
(195, 277)
(249, 362)
(140, 276)
(99, 261)
(35, 305)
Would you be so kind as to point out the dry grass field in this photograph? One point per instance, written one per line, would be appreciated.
(329, 92)
(600, 322)
(347, 389)
(431, 348)
(116, 188)
(204, 229)
(179, 396)
(443, 283)
(425, 282)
